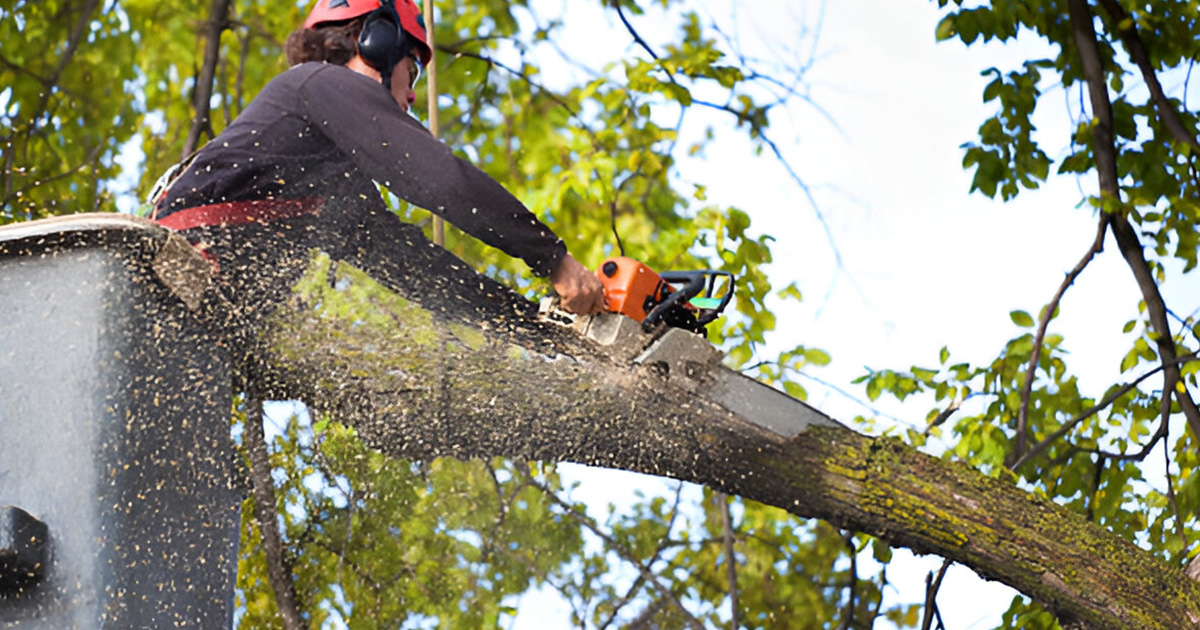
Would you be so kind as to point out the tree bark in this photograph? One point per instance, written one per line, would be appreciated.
(457, 366)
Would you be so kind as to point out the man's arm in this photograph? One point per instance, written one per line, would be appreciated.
(361, 118)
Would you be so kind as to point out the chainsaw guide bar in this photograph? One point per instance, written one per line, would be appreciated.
(688, 361)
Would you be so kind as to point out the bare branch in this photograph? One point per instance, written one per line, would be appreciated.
(1043, 323)
(662, 546)
(851, 583)
(201, 122)
(278, 570)
(637, 38)
(730, 560)
(932, 585)
(1179, 526)
(757, 130)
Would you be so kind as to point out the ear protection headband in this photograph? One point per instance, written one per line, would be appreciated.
(382, 43)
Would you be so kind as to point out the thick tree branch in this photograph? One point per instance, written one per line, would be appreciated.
(1039, 338)
(513, 386)
(1104, 153)
(1126, 27)
(324, 348)
(278, 570)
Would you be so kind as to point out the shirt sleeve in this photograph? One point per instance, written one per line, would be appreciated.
(386, 144)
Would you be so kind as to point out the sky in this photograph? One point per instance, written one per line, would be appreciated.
(923, 263)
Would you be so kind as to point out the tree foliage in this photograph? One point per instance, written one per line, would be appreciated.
(1133, 145)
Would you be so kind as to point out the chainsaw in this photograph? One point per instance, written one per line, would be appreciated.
(678, 299)
(650, 323)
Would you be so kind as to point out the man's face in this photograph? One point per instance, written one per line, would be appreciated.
(404, 81)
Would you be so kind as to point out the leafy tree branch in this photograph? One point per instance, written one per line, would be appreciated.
(1104, 151)
(1122, 23)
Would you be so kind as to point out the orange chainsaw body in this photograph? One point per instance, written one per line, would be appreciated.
(631, 288)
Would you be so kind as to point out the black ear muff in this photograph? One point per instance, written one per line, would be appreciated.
(382, 43)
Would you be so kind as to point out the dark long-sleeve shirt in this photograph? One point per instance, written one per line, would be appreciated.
(325, 131)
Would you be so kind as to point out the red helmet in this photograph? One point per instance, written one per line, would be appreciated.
(411, 19)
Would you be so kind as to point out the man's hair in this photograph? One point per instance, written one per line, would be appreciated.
(335, 43)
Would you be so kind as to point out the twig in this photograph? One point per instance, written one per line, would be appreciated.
(458, 52)
(932, 585)
(279, 573)
(1179, 527)
(1097, 478)
(757, 130)
(883, 583)
(1163, 427)
(1044, 323)
(87, 161)
(942, 416)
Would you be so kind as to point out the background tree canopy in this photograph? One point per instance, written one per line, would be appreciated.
(591, 138)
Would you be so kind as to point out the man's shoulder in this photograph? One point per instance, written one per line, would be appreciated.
(318, 72)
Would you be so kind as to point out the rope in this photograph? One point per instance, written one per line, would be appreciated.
(439, 228)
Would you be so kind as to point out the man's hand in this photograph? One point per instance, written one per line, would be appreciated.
(579, 291)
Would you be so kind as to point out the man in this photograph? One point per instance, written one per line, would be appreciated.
(303, 159)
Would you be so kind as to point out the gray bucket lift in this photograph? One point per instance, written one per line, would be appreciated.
(118, 507)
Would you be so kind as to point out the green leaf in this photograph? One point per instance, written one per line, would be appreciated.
(1021, 318)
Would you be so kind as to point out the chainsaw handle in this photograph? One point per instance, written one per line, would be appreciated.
(694, 282)
(713, 313)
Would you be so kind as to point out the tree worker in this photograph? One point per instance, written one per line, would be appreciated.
(298, 168)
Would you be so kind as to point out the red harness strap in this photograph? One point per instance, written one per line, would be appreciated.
(239, 212)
